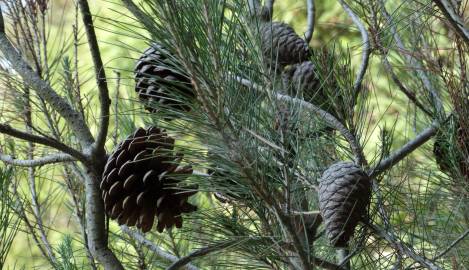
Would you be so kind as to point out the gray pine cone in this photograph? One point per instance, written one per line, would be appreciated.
(281, 45)
(344, 196)
(304, 78)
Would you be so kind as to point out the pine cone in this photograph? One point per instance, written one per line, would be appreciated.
(303, 79)
(158, 81)
(451, 152)
(140, 181)
(344, 195)
(281, 45)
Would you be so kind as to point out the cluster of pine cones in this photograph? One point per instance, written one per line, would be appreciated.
(142, 180)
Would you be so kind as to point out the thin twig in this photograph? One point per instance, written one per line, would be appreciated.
(21, 212)
(51, 159)
(104, 100)
(412, 61)
(453, 18)
(365, 51)
(45, 90)
(199, 253)
(408, 148)
(410, 95)
(154, 248)
(35, 203)
(327, 117)
(454, 243)
(6, 129)
(405, 249)
(116, 109)
(311, 12)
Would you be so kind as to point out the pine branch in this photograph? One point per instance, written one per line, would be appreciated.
(200, 253)
(311, 12)
(51, 159)
(96, 223)
(327, 117)
(154, 248)
(453, 18)
(6, 129)
(405, 150)
(405, 249)
(105, 101)
(452, 245)
(366, 48)
(45, 90)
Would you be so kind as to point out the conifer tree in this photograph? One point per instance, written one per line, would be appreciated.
(224, 137)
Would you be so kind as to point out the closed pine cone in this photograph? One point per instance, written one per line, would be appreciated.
(159, 81)
(452, 150)
(140, 182)
(344, 196)
(281, 45)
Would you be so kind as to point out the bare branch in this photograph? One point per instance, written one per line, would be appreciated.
(199, 253)
(154, 248)
(453, 18)
(454, 243)
(6, 129)
(408, 148)
(311, 11)
(327, 117)
(51, 159)
(366, 47)
(45, 90)
(105, 101)
(96, 224)
(405, 249)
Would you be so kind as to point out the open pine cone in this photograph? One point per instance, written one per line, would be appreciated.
(281, 45)
(344, 196)
(159, 81)
(141, 181)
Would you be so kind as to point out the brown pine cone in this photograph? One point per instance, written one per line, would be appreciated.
(159, 81)
(344, 196)
(281, 45)
(141, 181)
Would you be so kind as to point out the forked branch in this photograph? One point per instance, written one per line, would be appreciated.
(44, 89)
(104, 100)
